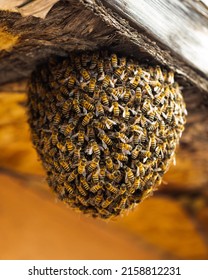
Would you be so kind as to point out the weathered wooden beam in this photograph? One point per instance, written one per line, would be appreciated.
(77, 25)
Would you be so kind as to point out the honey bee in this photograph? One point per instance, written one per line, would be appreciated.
(81, 167)
(99, 109)
(140, 169)
(87, 105)
(69, 145)
(120, 157)
(109, 163)
(64, 90)
(119, 73)
(126, 148)
(57, 167)
(65, 166)
(87, 119)
(76, 107)
(77, 62)
(94, 60)
(57, 119)
(115, 108)
(98, 198)
(114, 60)
(82, 200)
(122, 189)
(95, 148)
(126, 114)
(95, 176)
(68, 71)
(105, 138)
(92, 84)
(153, 142)
(111, 188)
(146, 105)
(169, 114)
(99, 125)
(96, 188)
(69, 188)
(121, 136)
(127, 95)
(104, 99)
(85, 74)
(158, 73)
(146, 154)
(148, 89)
(93, 164)
(138, 95)
(54, 138)
(170, 77)
(72, 176)
(135, 81)
(106, 81)
(71, 81)
(77, 153)
(81, 190)
(122, 61)
(90, 132)
(66, 108)
(61, 147)
(107, 202)
(100, 65)
(96, 94)
(67, 129)
(84, 183)
(129, 175)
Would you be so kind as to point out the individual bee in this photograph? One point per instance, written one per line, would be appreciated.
(127, 95)
(102, 172)
(84, 183)
(96, 94)
(129, 175)
(54, 138)
(90, 132)
(145, 154)
(169, 114)
(82, 200)
(95, 176)
(121, 136)
(57, 167)
(94, 60)
(109, 163)
(77, 62)
(69, 145)
(107, 202)
(140, 169)
(111, 188)
(126, 148)
(81, 167)
(146, 105)
(115, 108)
(81, 135)
(106, 81)
(71, 81)
(72, 176)
(76, 107)
(122, 203)
(135, 82)
(115, 176)
(64, 90)
(67, 129)
(61, 147)
(108, 123)
(120, 157)
(170, 77)
(85, 58)
(69, 188)
(85, 74)
(100, 65)
(122, 189)
(99, 109)
(153, 142)
(87, 105)
(77, 153)
(119, 73)
(95, 148)
(137, 183)
(159, 74)
(114, 60)
(92, 84)
(126, 114)
(105, 138)
(57, 119)
(87, 118)
(122, 61)
(93, 164)
(98, 198)
(99, 125)
(81, 190)
(104, 99)
(96, 188)
(65, 165)
(148, 89)
(66, 108)
(68, 72)
(138, 95)
(88, 98)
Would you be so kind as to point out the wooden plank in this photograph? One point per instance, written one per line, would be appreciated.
(174, 23)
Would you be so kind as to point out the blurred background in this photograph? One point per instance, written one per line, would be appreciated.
(172, 224)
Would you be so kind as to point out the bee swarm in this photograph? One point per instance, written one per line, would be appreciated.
(105, 127)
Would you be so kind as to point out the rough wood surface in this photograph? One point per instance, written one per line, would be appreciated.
(77, 25)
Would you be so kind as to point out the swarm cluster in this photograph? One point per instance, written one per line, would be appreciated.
(105, 128)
